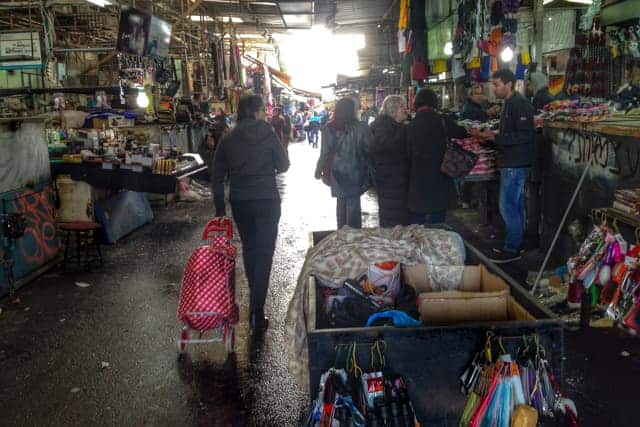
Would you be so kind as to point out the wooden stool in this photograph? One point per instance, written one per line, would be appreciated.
(87, 245)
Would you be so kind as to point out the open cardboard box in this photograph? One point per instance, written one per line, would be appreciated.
(492, 302)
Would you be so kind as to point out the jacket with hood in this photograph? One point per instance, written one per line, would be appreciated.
(540, 89)
(350, 175)
(250, 155)
(390, 168)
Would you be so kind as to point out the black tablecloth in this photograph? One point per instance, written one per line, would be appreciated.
(117, 179)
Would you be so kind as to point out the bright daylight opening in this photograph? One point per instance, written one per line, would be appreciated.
(315, 57)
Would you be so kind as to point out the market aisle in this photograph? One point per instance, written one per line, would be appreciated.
(53, 344)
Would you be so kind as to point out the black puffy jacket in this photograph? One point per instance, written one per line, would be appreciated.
(390, 169)
(350, 176)
(429, 189)
(250, 156)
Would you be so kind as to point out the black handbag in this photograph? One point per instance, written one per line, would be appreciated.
(457, 162)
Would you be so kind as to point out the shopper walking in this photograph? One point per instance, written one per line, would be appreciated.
(344, 157)
(430, 190)
(515, 142)
(314, 129)
(389, 162)
(250, 156)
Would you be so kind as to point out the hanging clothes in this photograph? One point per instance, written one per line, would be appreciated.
(233, 60)
(403, 21)
(418, 16)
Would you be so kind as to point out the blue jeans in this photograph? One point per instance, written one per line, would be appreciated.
(434, 218)
(512, 182)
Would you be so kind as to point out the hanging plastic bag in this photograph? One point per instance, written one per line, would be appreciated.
(481, 411)
(524, 416)
(383, 281)
(472, 404)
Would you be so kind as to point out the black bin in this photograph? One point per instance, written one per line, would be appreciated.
(432, 358)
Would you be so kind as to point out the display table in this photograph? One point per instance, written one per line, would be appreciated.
(123, 179)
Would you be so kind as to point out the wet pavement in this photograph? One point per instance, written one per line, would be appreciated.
(106, 354)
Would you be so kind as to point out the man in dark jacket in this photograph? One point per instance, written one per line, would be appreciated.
(515, 144)
(250, 156)
(538, 90)
(430, 190)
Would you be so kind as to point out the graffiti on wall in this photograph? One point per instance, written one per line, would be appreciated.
(609, 157)
(40, 243)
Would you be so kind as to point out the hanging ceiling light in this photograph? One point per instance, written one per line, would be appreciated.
(448, 48)
(507, 54)
(101, 3)
(142, 100)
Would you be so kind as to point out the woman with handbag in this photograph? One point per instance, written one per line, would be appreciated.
(430, 189)
(389, 162)
(343, 164)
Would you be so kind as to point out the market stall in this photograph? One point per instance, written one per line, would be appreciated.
(430, 351)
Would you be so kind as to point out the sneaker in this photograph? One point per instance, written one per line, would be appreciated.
(503, 257)
(499, 250)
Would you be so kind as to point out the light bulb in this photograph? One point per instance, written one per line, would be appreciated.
(507, 54)
(448, 48)
(142, 100)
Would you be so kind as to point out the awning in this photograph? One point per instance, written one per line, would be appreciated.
(277, 73)
(307, 93)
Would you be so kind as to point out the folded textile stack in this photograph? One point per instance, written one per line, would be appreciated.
(576, 111)
(486, 164)
(627, 201)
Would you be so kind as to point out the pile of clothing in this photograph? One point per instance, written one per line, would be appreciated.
(626, 99)
(577, 111)
(486, 164)
(627, 201)
(607, 268)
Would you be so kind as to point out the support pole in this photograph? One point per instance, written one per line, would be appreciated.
(538, 19)
(561, 226)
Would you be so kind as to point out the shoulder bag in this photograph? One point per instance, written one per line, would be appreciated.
(328, 164)
(457, 162)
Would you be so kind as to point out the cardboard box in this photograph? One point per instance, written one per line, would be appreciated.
(492, 303)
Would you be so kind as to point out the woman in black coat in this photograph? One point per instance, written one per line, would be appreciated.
(430, 190)
(389, 163)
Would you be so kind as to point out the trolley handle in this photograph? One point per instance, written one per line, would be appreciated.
(219, 225)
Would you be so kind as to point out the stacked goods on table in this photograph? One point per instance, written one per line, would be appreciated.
(627, 201)
(576, 111)
(607, 268)
(513, 388)
(486, 163)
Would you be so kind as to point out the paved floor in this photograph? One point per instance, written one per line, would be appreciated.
(53, 344)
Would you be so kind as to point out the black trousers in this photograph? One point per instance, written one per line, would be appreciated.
(257, 222)
(348, 212)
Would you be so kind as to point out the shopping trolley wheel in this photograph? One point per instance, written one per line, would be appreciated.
(229, 338)
(184, 337)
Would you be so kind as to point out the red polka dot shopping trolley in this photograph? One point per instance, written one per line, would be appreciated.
(207, 296)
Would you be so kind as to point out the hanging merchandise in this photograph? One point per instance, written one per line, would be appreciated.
(348, 396)
(420, 70)
(464, 35)
(512, 388)
(403, 20)
(607, 268)
(593, 10)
